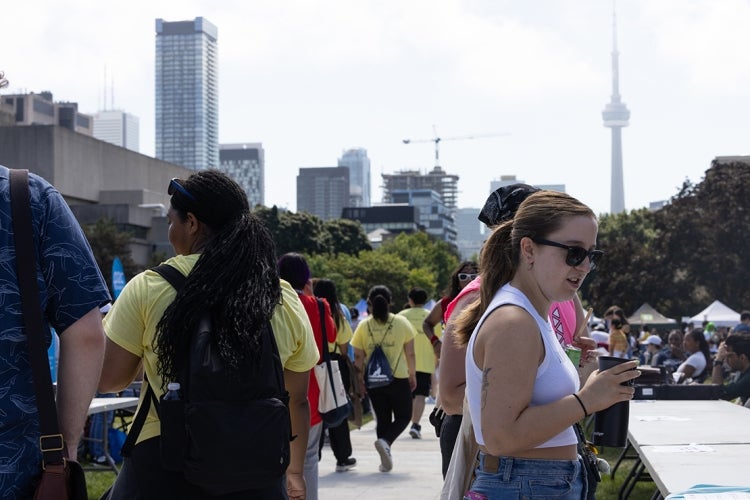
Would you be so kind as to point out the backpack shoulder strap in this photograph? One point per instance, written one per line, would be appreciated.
(139, 419)
(177, 280)
(171, 274)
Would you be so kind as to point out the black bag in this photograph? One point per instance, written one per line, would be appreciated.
(590, 462)
(437, 415)
(225, 433)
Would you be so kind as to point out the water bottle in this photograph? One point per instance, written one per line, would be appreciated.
(173, 392)
(611, 424)
(172, 416)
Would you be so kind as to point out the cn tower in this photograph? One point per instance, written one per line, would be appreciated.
(616, 116)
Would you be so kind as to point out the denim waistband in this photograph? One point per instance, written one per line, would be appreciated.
(507, 465)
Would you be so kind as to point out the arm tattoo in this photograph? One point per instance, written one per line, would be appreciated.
(485, 385)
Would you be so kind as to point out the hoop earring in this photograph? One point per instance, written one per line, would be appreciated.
(529, 266)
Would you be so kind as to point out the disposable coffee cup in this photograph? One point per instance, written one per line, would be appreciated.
(611, 424)
(574, 354)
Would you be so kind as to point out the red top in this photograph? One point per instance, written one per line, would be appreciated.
(311, 308)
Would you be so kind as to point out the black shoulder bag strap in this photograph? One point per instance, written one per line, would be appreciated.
(177, 280)
(50, 440)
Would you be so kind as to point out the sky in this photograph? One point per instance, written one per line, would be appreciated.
(527, 80)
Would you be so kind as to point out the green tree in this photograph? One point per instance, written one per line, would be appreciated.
(354, 276)
(625, 275)
(345, 236)
(422, 251)
(108, 242)
(706, 239)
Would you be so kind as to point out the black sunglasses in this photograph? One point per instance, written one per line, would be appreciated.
(576, 255)
(466, 276)
(174, 185)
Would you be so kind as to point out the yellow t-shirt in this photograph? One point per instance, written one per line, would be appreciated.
(392, 342)
(131, 324)
(423, 350)
(343, 336)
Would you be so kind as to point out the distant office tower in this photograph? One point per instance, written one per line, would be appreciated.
(187, 100)
(323, 191)
(359, 176)
(434, 216)
(616, 116)
(245, 163)
(118, 128)
(446, 185)
(470, 232)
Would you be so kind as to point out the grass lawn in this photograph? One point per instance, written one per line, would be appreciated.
(608, 489)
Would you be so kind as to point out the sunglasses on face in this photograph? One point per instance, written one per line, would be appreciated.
(575, 255)
(466, 276)
(174, 186)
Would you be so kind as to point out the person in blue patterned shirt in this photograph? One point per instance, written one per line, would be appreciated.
(71, 291)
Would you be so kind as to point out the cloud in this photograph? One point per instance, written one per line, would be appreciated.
(707, 39)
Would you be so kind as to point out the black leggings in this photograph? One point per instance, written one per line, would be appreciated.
(392, 406)
(142, 477)
(448, 435)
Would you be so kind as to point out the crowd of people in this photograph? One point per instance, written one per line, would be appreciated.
(510, 337)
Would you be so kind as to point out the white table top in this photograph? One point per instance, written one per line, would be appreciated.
(99, 405)
(685, 422)
(677, 468)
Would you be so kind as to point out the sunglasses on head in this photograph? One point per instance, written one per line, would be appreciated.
(174, 185)
(466, 276)
(575, 255)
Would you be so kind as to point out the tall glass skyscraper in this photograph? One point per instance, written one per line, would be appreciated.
(359, 176)
(187, 100)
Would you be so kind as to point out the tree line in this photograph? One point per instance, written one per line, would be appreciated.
(679, 259)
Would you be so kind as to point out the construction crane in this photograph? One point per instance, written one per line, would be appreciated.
(437, 140)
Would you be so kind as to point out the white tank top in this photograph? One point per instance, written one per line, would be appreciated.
(556, 377)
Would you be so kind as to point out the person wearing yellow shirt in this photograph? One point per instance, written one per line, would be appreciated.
(392, 402)
(425, 357)
(229, 259)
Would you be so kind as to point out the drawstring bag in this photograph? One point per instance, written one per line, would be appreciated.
(378, 372)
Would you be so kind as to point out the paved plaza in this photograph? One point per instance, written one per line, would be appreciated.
(416, 473)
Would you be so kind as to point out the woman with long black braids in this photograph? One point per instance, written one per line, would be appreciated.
(229, 259)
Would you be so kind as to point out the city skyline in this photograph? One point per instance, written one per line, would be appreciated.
(310, 81)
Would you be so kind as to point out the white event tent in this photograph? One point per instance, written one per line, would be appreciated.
(717, 313)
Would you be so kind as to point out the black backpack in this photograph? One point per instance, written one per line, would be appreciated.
(225, 433)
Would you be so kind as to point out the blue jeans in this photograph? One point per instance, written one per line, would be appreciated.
(518, 478)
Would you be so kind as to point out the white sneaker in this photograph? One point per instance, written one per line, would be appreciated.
(384, 450)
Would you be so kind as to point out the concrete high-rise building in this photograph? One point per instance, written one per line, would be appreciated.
(323, 191)
(446, 185)
(118, 128)
(359, 176)
(187, 93)
(245, 163)
(616, 116)
(40, 109)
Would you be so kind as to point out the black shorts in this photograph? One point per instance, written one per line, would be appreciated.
(424, 383)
